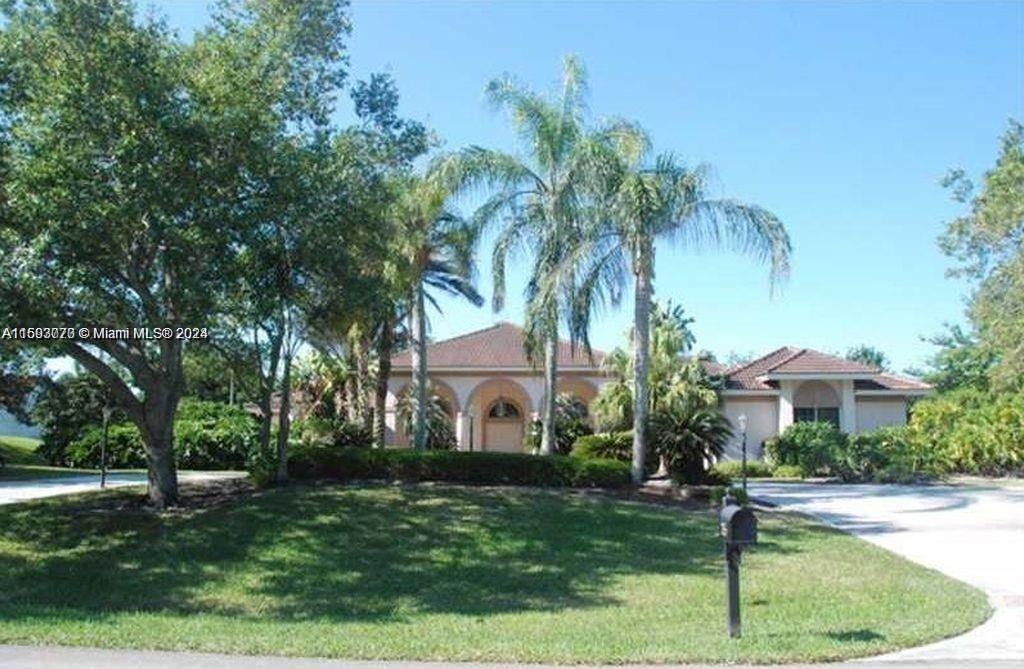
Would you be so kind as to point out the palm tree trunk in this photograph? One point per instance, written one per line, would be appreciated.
(381, 390)
(548, 437)
(419, 369)
(641, 354)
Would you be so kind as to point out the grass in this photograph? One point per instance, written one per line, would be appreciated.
(24, 463)
(456, 573)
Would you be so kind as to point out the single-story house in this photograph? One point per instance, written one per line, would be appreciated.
(492, 392)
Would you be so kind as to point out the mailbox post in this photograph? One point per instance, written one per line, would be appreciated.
(738, 527)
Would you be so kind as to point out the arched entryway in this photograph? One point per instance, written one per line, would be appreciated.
(438, 391)
(504, 426)
(499, 412)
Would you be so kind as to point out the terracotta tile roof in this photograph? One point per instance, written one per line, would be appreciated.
(499, 346)
(791, 360)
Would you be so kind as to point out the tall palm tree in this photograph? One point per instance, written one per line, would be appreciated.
(663, 199)
(435, 246)
(540, 201)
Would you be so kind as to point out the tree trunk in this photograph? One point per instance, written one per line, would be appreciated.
(363, 382)
(380, 395)
(158, 413)
(351, 409)
(641, 352)
(419, 369)
(548, 438)
(284, 420)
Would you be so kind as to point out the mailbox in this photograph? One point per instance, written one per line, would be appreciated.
(737, 525)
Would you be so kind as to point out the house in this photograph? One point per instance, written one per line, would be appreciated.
(491, 392)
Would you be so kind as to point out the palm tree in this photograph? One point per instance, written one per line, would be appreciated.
(542, 201)
(663, 199)
(435, 246)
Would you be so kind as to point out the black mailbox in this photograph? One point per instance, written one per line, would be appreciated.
(737, 525)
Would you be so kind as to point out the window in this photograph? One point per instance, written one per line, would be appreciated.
(502, 408)
(820, 414)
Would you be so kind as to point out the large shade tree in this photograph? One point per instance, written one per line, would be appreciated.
(646, 200)
(539, 203)
(128, 176)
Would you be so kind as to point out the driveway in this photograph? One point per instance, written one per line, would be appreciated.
(972, 532)
(21, 490)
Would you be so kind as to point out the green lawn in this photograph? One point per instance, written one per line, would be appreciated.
(456, 573)
(24, 463)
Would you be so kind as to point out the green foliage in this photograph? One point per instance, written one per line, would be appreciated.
(689, 436)
(316, 462)
(788, 472)
(961, 362)
(868, 355)
(66, 408)
(986, 242)
(971, 431)
(888, 454)
(814, 447)
(733, 469)
(207, 435)
(608, 445)
(440, 431)
(337, 433)
(571, 424)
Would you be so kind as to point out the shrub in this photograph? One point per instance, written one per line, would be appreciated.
(689, 435)
(570, 424)
(207, 435)
(716, 493)
(971, 431)
(813, 447)
(733, 469)
(608, 445)
(326, 431)
(65, 410)
(314, 462)
(788, 472)
(888, 454)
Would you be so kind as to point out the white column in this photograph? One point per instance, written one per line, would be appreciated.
(848, 410)
(786, 389)
(461, 431)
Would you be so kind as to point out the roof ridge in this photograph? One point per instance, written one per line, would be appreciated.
(474, 332)
(744, 365)
(799, 352)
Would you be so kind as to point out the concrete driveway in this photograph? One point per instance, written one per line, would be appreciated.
(22, 490)
(972, 532)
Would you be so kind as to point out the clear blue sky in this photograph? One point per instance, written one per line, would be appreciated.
(839, 117)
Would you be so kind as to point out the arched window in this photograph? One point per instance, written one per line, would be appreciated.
(502, 408)
(816, 401)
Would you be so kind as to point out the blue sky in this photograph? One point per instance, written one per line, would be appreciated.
(839, 117)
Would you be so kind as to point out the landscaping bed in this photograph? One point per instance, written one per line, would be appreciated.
(444, 572)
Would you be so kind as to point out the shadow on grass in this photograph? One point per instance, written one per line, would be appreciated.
(855, 636)
(379, 553)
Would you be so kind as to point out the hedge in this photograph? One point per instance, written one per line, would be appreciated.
(733, 469)
(325, 462)
(207, 435)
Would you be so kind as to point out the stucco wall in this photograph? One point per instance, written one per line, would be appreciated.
(762, 422)
(875, 412)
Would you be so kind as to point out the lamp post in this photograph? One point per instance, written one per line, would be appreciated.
(743, 445)
(472, 419)
(107, 410)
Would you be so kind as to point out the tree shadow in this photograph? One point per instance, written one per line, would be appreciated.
(855, 636)
(379, 553)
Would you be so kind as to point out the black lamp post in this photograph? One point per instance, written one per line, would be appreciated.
(107, 410)
(743, 445)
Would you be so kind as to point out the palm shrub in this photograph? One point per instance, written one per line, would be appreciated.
(611, 445)
(689, 436)
(440, 434)
(815, 447)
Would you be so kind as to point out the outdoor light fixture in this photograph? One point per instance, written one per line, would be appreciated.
(742, 420)
(107, 411)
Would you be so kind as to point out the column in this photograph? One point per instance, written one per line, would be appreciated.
(786, 389)
(462, 431)
(848, 410)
